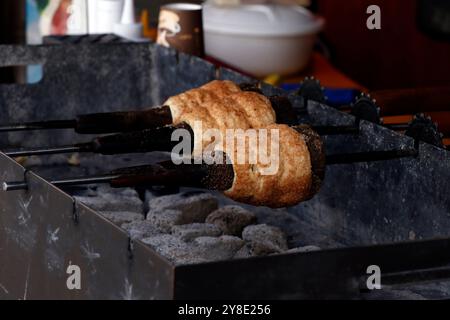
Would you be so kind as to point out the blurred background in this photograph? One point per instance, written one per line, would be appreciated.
(412, 48)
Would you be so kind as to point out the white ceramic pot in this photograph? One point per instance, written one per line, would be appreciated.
(261, 39)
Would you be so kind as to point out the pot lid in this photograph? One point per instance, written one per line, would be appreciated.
(263, 20)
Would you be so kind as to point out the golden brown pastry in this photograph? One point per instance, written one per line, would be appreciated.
(220, 105)
(223, 105)
(291, 184)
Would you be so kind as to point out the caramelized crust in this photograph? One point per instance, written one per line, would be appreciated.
(220, 105)
(223, 105)
(287, 186)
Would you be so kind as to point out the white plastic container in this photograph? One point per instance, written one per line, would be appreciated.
(108, 12)
(77, 23)
(92, 15)
(261, 39)
(128, 28)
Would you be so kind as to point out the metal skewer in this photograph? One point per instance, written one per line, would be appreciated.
(101, 123)
(127, 121)
(158, 139)
(12, 186)
(134, 120)
(55, 124)
(193, 175)
(48, 151)
(213, 177)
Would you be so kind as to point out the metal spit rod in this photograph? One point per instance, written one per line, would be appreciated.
(54, 124)
(21, 185)
(152, 139)
(346, 158)
(45, 151)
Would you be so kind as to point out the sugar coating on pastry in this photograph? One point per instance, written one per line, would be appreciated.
(219, 105)
(288, 186)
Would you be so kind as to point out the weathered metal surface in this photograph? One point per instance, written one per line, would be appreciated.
(75, 79)
(322, 274)
(360, 205)
(43, 231)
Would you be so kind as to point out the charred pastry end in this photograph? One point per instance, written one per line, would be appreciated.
(284, 111)
(317, 154)
(220, 175)
(250, 87)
